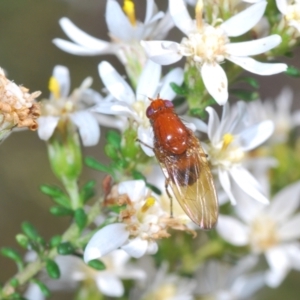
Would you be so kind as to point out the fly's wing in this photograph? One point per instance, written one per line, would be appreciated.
(191, 181)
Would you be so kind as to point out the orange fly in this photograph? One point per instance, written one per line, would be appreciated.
(184, 164)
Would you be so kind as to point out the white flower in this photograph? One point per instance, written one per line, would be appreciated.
(109, 281)
(75, 107)
(134, 104)
(163, 285)
(142, 222)
(279, 111)
(229, 140)
(291, 11)
(220, 281)
(207, 46)
(272, 231)
(125, 32)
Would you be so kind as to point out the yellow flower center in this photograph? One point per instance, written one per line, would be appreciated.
(263, 234)
(54, 87)
(227, 140)
(166, 291)
(129, 10)
(293, 12)
(149, 203)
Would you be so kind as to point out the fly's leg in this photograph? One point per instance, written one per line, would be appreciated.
(143, 143)
(169, 195)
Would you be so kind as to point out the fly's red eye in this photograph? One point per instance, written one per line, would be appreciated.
(168, 104)
(149, 112)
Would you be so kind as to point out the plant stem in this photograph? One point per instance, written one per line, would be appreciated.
(32, 268)
(72, 189)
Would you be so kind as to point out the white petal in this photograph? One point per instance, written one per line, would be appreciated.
(257, 67)
(247, 183)
(253, 47)
(81, 38)
(47, 126)
(213, 125)
(79, 50)
(282, 6)
(175, 76)
(152, 248)
(34, 292)
(105, 240)
(88, 127)
(290, 230)
(151, 9)
(62, 75)
(117, 22)
(181, 16)
(115, 83)
(279, 266)
(113, 108)
(110, 285)
(225, 183)
(278, 209)
(255, 135)
(162, 52)
(135, 189)
(215, 81)
(148, 82)
(136, 247)
(146, 136)
(245, 20)
(199, 124)
(232, 231)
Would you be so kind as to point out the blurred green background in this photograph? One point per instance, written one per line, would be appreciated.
(28, 56)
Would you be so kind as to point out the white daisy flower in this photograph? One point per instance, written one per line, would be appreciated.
(109, 281)
(220, 281)
(291, 11)
(279, 111)
(207, 46)
(229, 141)
(272, 231)
(142, 223)
(74, 107)
(134, 104)
(125, 31)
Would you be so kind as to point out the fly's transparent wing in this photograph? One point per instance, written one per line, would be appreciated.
(191, 181)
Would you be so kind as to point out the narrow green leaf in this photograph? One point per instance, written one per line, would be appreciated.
(56, 194)
(154, 188)
(55, 241)
(13, 255)
(80, 218)
(179, 90)
(111, 151)
(293, 71)
(60, 211)
(22, 240)
(245, 95)
(113, 138)
(65, 248)
(138, 175)
(30, 231)
(88, 191)
(93, 163)
(251, 81)
(44, 289)
(14, 282)
(52, 269)
(97, 264)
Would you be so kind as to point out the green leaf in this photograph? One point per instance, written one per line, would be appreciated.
(65, 248)
(52, 269)
(179, 90)
(137, 175)
(55, 241)
(14, 282)
(56, 194)
(111, 152)
(15, 296)
(44, 289)
(293, 71)
(245, 95)
(251, 81)
(154, 188)
(61, 211)
(113, 138)
(88, 191)
(97, 264)
(22, 240)
(13, 255)
(30, 231)
(94, 164)
(80, 218)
